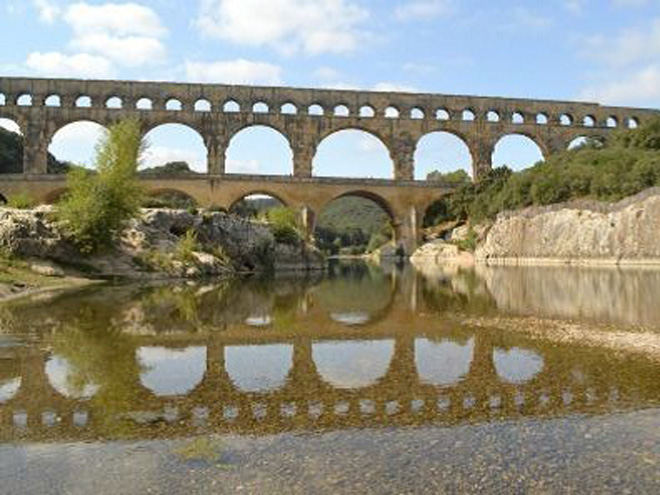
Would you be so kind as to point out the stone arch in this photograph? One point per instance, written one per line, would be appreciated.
(231, 106)
(417, 113)
(517, 365)
(392, 112)
(443, 363)
(144, 103)
(518, 151)
(11, 124)
(445, 140)
(53, 101)
(582, 139)
(114, 102)
(84, 101)
(24, 100)
(542, 118)
(315, 109)
(367, 111)
(289, 108)
(13, 160)
(341, 110)
(566, 119)
(612, 122)
(183, 369)
(202, 105)
(468, 115)
(493, 116)
(442, 114)
(589, 121)
(363, 193)
(75, 141)
(3, 100)
(173, 105)
(257, 192)
(517, 118)
(632, 122)
(258, 368)
(248, 157)
(174, 141)
(260, 107)
(352, 147)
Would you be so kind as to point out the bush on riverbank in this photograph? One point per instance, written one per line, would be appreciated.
(626, 165)
(98, 204)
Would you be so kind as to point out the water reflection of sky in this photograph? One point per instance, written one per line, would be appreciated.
(517, 365)
(172, 371)
(258, 368)
(444, 362)
(61, 376)
(352, 364)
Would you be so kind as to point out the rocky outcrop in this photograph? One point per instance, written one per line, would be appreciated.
(151, 245)
(627, 232)
(441, 253)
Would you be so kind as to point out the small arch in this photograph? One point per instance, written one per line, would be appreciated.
(468, 115)
(633, 123)
(84, 101)
(24, 100)
(612, 122)
(315, 109)
(441, 152)
(341, 111)
(517, 118)
(517, 152)
(589, 121)
(259, 149)
(542, 118)
(442, 114)
(202, 105)
(353, 153)
(392, 113)
(493, 116)
(144, 104)
(566, 119)
(260, 107)
(417, 113)
(53, 101)
(3, 100)
(367, 111)
(289, 109)
(173, 105)
(113, 102)
(175, 144)
(231, 106)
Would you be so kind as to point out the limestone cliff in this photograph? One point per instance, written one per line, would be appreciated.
(584, 232)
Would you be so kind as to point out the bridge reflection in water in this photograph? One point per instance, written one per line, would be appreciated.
(362, 348)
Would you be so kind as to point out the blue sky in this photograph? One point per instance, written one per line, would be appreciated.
(602, 50)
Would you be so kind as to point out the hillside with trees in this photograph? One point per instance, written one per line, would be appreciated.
(11, 155)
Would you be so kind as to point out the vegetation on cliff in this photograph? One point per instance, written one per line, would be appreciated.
(626, 165)
(11, 155)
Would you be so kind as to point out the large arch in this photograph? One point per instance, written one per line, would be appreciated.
(353, 152)
(517, 151)
(171, 372)
(76, 142)
(259, 150)
(444, 152)
(11, 161)
(175, 144)
(256, 195)
(258, 368)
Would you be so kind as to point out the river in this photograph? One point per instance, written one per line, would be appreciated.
(364, 380)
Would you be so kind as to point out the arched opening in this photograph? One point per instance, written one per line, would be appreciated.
(255, 205)
(441, 153)
(341, 111)
(9, 388)
(24, 100)
(173, 105)
(84, 102)
(76, 142)
(202, 105)
(589, 121)
(11, 138)
(612, 122)
(354, 224)
(67, 381)
(260, 107)
(289, 109)
(566, 119)
(584, 141)
(144, 104)
(231, 106)
(443, 363)
(633, 123)
(468, 115)
(417, 114)
(392, 113)
(517, 365)
(113, 102)
(367, 111)
(351, 365)
(169, 198)
(353, 153)
(542, 119)
(3, 100)
(259, 150)
(493, 116)
(174, 148)
(258, 368)
(517, 118)
(517, 152)
(53, 101)
(315, 110)
(171, 372)
(442, 114)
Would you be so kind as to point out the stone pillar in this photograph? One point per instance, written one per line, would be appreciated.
(303, 146)
(35, 148)
(408, 230)
(402, 152)
(216, 149)
(481, 150)
(307, 222)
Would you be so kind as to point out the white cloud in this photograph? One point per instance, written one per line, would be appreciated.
(421, 10)
(131, 51)
(234, 72)
(55, 64)
(388, 87)
(628, 47)
(639, 88)
(156, 156)
(290, 26)
(243, 166)
(48, 10)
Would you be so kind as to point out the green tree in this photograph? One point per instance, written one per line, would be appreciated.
(99, 202)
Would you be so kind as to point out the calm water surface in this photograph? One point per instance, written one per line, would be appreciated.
(367, 380)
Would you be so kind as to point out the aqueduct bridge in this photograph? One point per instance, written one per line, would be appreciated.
(304, 117)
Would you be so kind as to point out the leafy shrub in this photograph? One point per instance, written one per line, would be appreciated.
(285, 234)
(21, 201)
(98, 204)
(283, 225)
(186, 246)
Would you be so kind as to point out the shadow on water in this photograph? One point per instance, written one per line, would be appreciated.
(361, 347)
